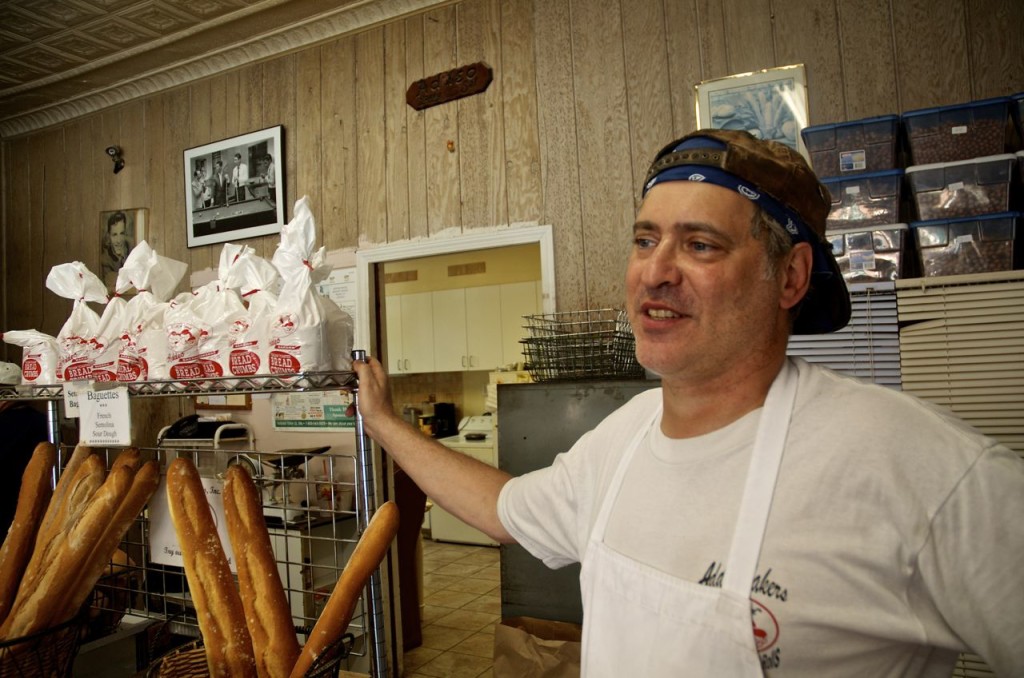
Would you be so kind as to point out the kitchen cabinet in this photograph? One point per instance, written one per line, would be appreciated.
(467, 329)
(410, 336)
(517, 300)
(458, 330)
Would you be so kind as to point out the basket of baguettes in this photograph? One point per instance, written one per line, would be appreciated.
(247, 630)
(58, 546)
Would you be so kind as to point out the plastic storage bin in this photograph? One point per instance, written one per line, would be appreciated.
(962, 189)
(867, 145)
(969, 244)
(1017, 113)
(868, 199)
(873, 255)
(959, 132)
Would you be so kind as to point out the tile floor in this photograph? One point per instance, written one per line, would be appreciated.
(462, 605)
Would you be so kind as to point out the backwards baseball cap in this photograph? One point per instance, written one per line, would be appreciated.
(779, 181)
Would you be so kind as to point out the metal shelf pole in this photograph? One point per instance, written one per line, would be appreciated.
(374, 596)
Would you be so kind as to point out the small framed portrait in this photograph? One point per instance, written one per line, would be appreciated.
(234, 188)
(770, 104)
(120, 232)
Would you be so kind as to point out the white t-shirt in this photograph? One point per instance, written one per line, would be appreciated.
(895, 539)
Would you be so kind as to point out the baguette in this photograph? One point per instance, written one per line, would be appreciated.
(143, 485)
(218, 605)
(67, 479)
(267, 613)
(334, 620)
(78, 488)
(33, 498)
(36, 607)
(130, 457)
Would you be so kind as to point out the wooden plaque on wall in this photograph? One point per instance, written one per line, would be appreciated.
(449, 85)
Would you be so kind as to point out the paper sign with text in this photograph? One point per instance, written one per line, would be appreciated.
(163, 540)
(105, 416)
(72, 394)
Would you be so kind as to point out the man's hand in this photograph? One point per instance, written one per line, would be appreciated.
(374, 395)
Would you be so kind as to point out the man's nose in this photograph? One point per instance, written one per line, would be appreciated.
(662, 266)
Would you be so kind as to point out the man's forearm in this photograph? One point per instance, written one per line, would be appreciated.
(463, 486)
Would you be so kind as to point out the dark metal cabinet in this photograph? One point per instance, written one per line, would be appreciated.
(535, 423)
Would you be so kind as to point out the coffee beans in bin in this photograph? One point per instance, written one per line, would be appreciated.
(962, 189)
(866, 145)
(868, 199)
(873, 255)
(969, 244)
(960, 132)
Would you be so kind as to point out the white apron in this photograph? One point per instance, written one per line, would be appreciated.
(640, 621)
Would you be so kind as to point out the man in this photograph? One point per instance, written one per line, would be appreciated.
(756, 514)
(239, 177)
(116, 244)
(219, 183)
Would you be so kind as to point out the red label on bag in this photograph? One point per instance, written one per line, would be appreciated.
(186, 371)
(31, 369)
(243, 363)
(131, 370)
(78, 372)
(283, 363)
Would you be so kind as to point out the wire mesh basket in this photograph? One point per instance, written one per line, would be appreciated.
(189, 660)
(49, 653)
(592, 344)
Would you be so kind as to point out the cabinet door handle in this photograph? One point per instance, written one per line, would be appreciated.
(464, 361)
(406, 364)
(470, 361)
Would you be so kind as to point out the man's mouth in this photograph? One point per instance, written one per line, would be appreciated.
(661, 313)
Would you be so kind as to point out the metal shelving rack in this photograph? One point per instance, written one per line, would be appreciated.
(365, 500)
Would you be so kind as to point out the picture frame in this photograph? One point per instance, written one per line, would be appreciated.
(232, 190)
(234, 401)
(119, 232)
(770, 104)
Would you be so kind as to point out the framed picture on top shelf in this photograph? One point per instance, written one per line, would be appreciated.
(234, 188)
(120, 231)
(770, 104)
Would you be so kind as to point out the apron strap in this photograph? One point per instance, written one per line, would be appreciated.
(759, 488)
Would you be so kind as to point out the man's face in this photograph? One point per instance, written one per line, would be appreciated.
(118, 238)
(697, 291)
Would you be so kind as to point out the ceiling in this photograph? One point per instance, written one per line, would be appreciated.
(63, 58)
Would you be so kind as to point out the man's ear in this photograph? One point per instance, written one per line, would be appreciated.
(795, 278)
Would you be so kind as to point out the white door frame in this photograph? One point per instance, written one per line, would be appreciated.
(515, 235)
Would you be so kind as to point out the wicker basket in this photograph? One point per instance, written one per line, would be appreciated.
(594, 344)
(189, 660)
(50, 653)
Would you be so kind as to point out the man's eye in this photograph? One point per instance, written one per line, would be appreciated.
(701, 246)
(642, 242)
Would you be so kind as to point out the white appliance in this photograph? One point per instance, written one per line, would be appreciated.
(478, 439)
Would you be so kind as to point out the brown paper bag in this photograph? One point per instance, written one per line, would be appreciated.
(539, 648)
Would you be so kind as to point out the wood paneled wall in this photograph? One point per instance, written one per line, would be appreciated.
(585, 91)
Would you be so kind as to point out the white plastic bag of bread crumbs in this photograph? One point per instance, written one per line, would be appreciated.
(144, 344)
(257, 281)
(38, 356)
(216, 310)
(109, 333)
(77, 340)
(298, 325)
(182, 331)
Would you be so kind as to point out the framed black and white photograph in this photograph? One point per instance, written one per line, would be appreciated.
(120, 231)
(770, 104)
(234, 188)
